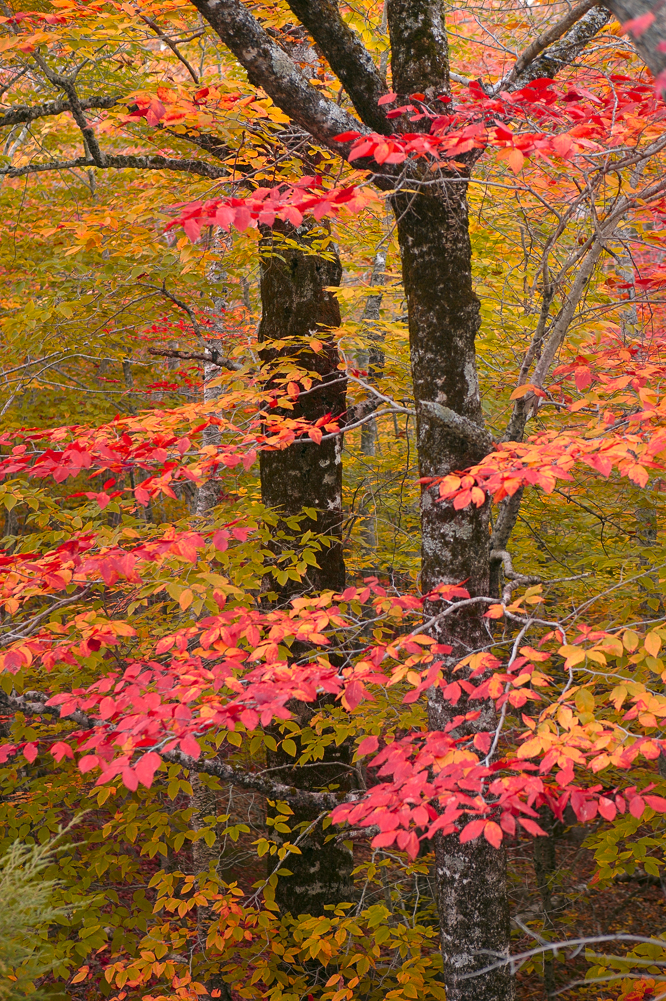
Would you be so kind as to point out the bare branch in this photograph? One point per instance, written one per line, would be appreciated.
(462, 427)
(501, 557)
(67, 85)
(34, 704)
(172, 45)
(555, 57)
(150, 162)
(14, 79)
(21, 113)
(211, 356)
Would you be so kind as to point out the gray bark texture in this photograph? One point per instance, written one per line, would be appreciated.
(647, 43)
(443, 315)
(295, 309)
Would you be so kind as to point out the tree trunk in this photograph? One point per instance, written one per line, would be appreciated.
(648, 42)
(443, 316)
(296, 308)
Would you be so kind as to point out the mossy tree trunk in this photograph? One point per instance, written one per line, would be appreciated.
(297, 309)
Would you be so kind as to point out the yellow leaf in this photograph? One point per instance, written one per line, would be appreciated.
(653, 643)
(584, 700)
(573, 655)
(630, 639)
(186, 598)
(530, 748)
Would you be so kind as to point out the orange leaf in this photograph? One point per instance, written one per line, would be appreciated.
(515, 160)
(521, 391)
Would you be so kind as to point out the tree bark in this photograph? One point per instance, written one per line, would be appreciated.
(647, 42)
(296, 308)
(443, 313)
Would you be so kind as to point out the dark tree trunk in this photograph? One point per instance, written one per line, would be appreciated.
(296, 308)
(443, 321)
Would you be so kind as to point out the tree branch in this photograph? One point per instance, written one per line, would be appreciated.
(22, 113)
(268, 66)
(555, 58)
(68, 86)
(516, 580)
(34, 704)
(471, 433)
(211, 355)
(348, 58)
(257, 782)
(542, 41)
(172, 45)
(152, 162)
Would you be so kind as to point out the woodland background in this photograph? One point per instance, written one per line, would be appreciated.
(214, 466)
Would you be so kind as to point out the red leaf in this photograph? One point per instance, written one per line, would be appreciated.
(384, 840)
(607, 808)
(146, 767)
(107, 707)
(292, 215)
(220, 540)
(583, 377)
(386, 99)
(189, 745)
(87, 763)
(354, 694)
(482, 741)
(408, 842)
(156, 111)
(508, 823)
(30, 752)
(638, 25)
(129, 779)
(656, 803)
(243, 218)
(472, 831)
(636, 807)
(367, 746)
(531, 827)
(61, 750)
(192, 230)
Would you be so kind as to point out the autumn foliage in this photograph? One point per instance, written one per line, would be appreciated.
(157, 653)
